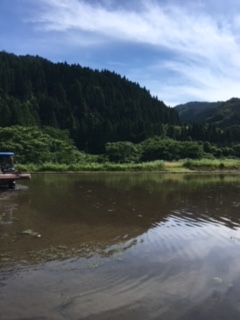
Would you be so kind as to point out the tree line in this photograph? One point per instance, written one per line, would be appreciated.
(51, 145)
(61, 113)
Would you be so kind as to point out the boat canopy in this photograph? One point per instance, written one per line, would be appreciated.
(8, 154)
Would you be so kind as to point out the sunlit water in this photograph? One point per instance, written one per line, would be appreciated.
(121, 246)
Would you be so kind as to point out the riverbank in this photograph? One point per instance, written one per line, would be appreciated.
(181, 166)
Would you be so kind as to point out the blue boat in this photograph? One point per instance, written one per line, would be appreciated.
(8, 174)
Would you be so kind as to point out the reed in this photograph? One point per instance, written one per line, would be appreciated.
(177, 166)
(93, 166)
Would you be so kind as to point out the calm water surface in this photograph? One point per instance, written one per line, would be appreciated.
(121, 246)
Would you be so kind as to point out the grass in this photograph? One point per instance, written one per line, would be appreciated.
(174, 166)
(93, 166)
(212, 164)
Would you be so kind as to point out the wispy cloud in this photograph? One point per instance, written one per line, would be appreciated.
(202, 49)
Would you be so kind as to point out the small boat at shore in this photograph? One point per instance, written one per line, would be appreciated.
(8, 175)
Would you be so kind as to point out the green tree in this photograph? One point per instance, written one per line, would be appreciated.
(122, 152)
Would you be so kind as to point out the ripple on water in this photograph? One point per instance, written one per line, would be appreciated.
(183, 266)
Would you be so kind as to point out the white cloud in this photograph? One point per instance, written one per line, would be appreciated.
(170, 26)
(205, 47)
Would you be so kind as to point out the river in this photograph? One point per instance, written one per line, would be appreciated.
(121, 246)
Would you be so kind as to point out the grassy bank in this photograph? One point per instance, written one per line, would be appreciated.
(177, 166)
(46, 167)
(216, 164)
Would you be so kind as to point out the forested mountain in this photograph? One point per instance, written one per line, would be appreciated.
(197, 112)
(96, 107)
(220, 114)
(227, 115)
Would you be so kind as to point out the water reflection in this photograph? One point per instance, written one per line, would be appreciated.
(145, 246)
(7, 205)
(84, 214)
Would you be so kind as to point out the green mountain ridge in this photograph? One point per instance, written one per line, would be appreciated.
(222, 114)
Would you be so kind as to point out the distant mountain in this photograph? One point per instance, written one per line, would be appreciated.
(197, 112)
(227, 115)
(221, 114)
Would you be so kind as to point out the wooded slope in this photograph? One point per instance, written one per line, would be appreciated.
(96, 107)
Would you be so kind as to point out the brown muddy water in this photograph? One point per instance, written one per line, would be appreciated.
(121, 246)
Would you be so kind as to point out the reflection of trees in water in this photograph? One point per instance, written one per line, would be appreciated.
(149, 181)
(7, 206)
(89, 215)
(211, 198)
(216, 204)
(10, 202)
(154, 181)
(64, 235)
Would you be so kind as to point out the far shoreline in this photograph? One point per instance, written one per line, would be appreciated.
(186, 166)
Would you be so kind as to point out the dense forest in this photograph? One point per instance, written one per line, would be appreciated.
(61, 113)
(95, 106)
(196, 112)
(222, 114)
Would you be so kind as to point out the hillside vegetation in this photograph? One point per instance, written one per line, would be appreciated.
(96, 107)
(68, 115)
(197, 112)
(224, 114)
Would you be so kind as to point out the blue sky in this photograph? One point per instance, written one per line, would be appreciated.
(180, 50)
